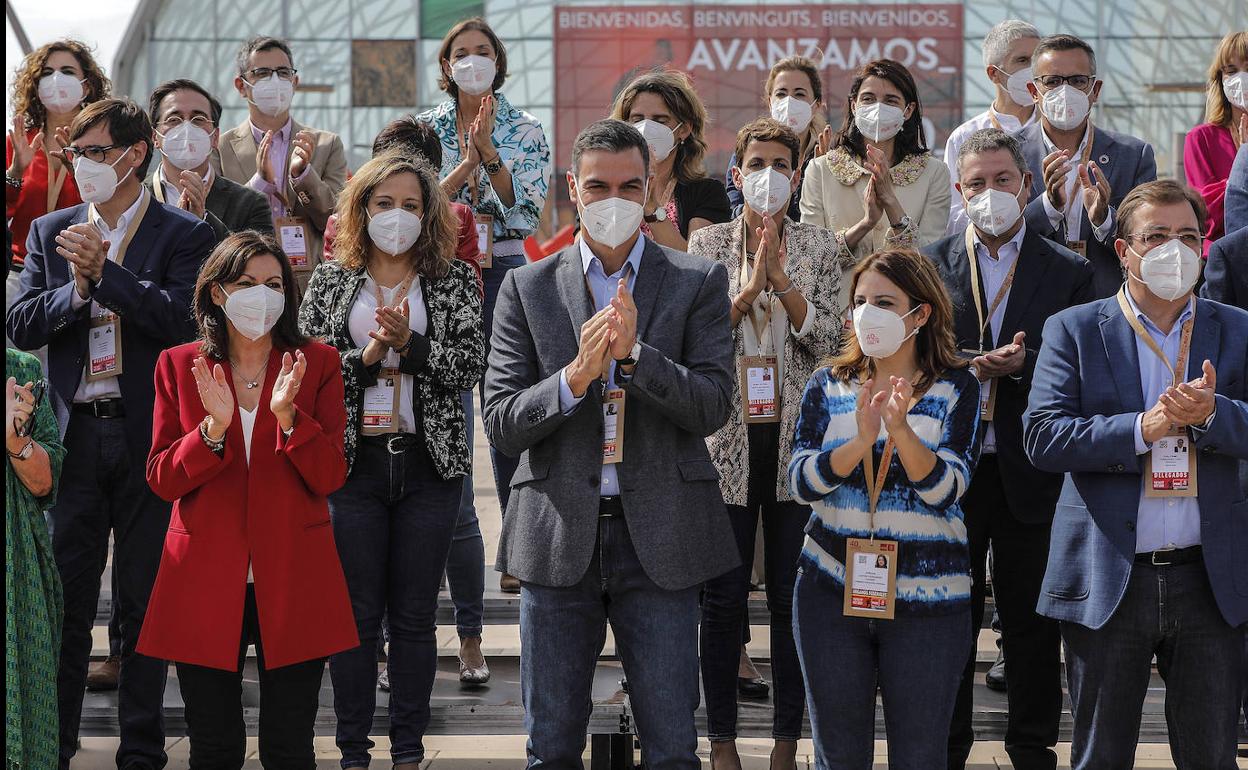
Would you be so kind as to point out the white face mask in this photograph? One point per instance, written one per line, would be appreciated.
(994, 211)
(766, 191)
(254, 311)
(60, 92)
(1236, 89)
(474, 74)
(794, 113)
(662, 140)
(879, 122)
(1170, 270)
(880, 332)
(1016, 86)
(272, 96)
(186, 146)
(98, 181)
(394, 231)
(612, 221)
(1065, 107)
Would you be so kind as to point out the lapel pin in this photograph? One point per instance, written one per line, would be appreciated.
(1103, 160)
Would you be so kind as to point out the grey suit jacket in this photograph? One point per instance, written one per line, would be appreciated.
(229, 207)
(1127, 163)
(679, 394)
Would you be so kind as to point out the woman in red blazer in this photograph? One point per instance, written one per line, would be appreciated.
(247, 444)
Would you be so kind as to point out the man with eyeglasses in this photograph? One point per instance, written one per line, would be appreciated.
(1149, 555)
(107, 286)
(187, 120)
(1080, 172)
(301, 170)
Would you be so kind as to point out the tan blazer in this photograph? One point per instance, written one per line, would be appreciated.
(817, 258)
(314, 197)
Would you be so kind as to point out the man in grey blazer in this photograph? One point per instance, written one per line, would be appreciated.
(1080, 172)
(595, 541)
(182, 112)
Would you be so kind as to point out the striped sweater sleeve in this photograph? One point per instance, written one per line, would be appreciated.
(810, 469)
(958, 451)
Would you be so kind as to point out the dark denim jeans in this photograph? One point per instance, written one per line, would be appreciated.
(724, 601)
(916, 662)
(492, 277)
(562, 631)
(465, 567)
(1168, 612)
(393, 522)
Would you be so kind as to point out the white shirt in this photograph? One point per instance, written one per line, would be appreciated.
(247, 421)
(772, 342)
(171, 190)
(992, 273)
(1071, 193)
(363, 319)
(107, 388)
(1009, 124)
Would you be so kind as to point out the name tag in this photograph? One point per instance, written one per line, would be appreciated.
(381, 404)
(613, 426)
(759, 378)
(485, 239)
(987, 388)
(294, 236)
(870, 578)
(1172, 467)
(104, 348)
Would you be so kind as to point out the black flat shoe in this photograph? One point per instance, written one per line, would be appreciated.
(754, 689)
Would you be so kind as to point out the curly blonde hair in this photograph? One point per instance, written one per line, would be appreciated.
(677, 92)
(25, 91)
(434, 249)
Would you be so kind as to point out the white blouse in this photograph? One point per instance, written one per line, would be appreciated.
(363, 319)
(247, 421)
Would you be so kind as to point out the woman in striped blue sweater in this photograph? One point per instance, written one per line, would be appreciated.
(898, 396)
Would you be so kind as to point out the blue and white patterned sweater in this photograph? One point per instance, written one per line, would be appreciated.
(933, 568)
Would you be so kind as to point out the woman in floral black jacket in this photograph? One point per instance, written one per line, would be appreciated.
(406, 317)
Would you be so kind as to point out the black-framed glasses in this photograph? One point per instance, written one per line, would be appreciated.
(1155, 238)
(93, 152)
(173, 121)
(1077, 82)
(264, 73)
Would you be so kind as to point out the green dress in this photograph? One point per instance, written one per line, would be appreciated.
(32, 593)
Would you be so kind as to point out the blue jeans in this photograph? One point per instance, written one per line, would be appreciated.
(393, 522)
(1168, 612)
(562, 631)
(915, 660)
(492, 277)
(465, 567)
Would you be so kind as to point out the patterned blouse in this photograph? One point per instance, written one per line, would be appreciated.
(455, 362)
(933, 567)
(521, 144)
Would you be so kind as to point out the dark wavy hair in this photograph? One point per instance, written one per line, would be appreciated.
(28, 74)
(910, 140)
(477, 24)
(224, 265)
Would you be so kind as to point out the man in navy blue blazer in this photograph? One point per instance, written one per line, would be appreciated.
(1149, 554)
(1236, 207)
(107, 286)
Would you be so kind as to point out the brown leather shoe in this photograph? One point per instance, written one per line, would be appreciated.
(509, 584)
(103, 675)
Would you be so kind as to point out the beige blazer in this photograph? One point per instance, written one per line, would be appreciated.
(313, 197)
(816, 260)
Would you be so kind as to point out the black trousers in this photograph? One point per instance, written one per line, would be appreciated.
(1032, 642)
(288, 703)
(104, 488)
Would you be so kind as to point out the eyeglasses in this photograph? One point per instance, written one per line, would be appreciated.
(1077, 82)
(264, 73)
(173, 121)
(94, 152)
(1156, 238)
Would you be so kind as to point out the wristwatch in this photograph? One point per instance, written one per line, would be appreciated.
(905, 222)
(633, 355)
(25, 452)
(659, 215)
(492, 167)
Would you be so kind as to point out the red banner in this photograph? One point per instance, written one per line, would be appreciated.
(729, 49)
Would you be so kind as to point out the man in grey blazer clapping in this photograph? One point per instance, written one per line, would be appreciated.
(610, 364)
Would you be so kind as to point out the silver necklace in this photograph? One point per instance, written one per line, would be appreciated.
(251, 382)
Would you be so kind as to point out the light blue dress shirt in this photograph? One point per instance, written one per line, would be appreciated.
(603, 288)
(1162, 522)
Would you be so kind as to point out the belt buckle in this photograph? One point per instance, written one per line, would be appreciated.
(1153, 557)
(392, 442)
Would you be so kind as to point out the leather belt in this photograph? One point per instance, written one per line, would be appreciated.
(610, 508)
(395, 443)
(1168, 556)
(104, 408)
